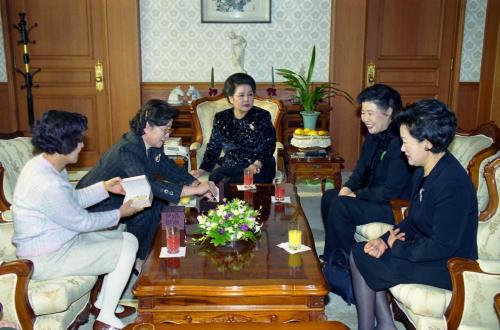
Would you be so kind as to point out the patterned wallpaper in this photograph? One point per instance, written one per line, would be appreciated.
(3, 71)
(472, 46)
(172, 36)
(176, 46)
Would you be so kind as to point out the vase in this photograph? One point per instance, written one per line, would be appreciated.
(234, 246)
(310, 118)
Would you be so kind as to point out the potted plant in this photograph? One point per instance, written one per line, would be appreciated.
(309, 95)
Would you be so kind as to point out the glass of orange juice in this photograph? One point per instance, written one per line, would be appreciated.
(294, 236)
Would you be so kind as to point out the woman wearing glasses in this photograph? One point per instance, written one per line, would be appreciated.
(140, 152)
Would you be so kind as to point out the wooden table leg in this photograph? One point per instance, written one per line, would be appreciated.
(337, 180)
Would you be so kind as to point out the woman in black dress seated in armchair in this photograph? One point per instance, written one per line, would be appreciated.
(380, 175)
(441, 221)
(246, 135)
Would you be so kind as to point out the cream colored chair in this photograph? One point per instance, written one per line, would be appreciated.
(54, 304)
(203, 113)
(470, 305)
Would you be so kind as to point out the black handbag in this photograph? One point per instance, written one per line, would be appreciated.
(338, 275)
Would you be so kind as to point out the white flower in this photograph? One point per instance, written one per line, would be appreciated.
(239, 235)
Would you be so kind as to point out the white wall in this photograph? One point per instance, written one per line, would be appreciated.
(176, 46)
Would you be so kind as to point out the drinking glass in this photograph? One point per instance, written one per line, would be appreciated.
(144, 326)
(247, 177)
(279, 192)
(173, 239)
(294, 236)
(185, 200)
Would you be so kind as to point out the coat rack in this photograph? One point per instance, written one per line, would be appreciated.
(28, 76)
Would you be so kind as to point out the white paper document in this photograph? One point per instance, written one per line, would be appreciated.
(138, 190)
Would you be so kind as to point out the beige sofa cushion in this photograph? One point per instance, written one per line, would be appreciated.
(482, 190)
(371, 231)
(422, 299)
(54, 296)
(465, 147)
(7, 249)
(7, 296)
(14, 154)
(62, 319)
(488, 232)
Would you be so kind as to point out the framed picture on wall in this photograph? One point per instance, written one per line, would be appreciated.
(236, 11)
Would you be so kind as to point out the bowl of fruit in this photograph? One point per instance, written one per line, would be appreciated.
(310, 138)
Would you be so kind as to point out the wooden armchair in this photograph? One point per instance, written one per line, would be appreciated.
(203, 113)
(470, 304)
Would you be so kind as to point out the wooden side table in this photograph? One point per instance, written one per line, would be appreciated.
(323, 168)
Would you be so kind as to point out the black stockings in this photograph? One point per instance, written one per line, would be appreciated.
(370, 305)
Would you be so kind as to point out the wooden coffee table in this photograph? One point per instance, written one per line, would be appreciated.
(262, 283)
(323, 168)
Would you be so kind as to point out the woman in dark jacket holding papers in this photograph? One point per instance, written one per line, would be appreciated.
(441, 221)
(380, 175)
(140, 152)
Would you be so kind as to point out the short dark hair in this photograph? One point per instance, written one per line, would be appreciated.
(432, 120)
(383, 96)
(155, 112)
(58, 131)
(236, 79)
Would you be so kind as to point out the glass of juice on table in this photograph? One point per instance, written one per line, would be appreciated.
(279, 192)
(173, 239)
(247, 177)
(294, 236)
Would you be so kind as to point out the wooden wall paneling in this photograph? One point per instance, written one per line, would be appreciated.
(412, 44)
(457, 59)
(123, 63)
(9, 122)
(467, 97)
(488, 106)
(346, 69)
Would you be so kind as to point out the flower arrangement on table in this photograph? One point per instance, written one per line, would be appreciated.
(229, 222)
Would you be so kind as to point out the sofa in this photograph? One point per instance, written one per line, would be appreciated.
(54, 304)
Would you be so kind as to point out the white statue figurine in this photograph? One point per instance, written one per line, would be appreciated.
(193, 93)
(176, 96)
(238, 45)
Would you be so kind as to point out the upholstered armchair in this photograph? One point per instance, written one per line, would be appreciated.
(54, 304)
(471, 303)
(203, 113)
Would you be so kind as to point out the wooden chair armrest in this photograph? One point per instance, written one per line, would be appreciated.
(23, 269)
(193, 150)
(4, 205)
(491, 185)
(497, 304)
(399, 209)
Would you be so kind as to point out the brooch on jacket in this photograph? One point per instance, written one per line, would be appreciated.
(251, 126)
(157, 158)
(420, 193)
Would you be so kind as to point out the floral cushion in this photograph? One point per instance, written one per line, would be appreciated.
(206, 113)
(14, 154)
(479, 311)
(422, 299)
(488, 232)
(7, 249)
(7, 297)
(465, 147)
(62, 319)
(53, 296)
(422, 322)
